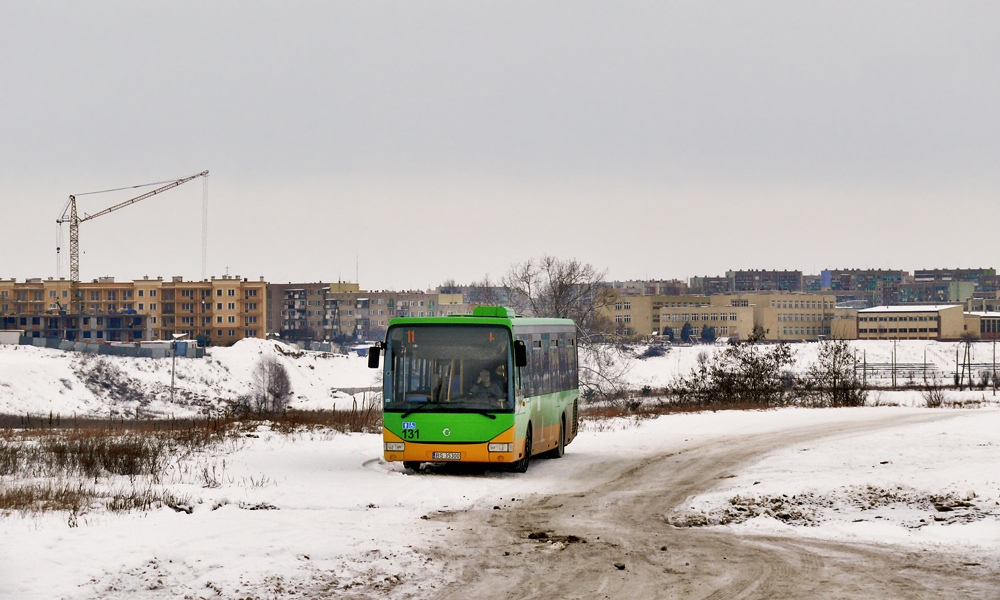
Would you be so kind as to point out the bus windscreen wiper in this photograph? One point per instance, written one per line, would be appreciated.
(415, 409)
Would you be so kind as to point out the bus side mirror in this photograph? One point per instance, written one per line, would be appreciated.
(373, 353)
(520, 353)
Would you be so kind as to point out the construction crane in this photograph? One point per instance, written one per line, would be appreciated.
(69, 215)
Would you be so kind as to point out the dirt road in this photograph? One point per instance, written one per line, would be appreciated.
(614, 541)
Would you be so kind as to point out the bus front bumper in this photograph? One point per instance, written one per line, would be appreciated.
(499, 450)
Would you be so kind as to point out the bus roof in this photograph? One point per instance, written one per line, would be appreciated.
(482, 315)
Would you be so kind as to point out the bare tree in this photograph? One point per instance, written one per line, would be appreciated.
(554, 288)
(551, 287)
(604, 369)
(486, 293)
(272, 386)
(450, 287)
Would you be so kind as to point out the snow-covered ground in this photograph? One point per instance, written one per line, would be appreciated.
(320, 512)
(40, 380)
(910, 356)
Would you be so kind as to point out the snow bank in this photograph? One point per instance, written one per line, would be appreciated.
(40, 380)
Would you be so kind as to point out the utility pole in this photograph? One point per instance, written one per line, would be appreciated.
(173, 367)
(893, 364)
(173, 364)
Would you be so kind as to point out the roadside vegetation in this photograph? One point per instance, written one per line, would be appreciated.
(82, 467)
(750, 375)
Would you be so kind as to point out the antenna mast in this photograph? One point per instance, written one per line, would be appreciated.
(204, 227)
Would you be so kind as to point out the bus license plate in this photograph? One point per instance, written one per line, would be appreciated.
(447, 456)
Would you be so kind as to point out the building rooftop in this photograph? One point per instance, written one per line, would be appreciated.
(908, 308)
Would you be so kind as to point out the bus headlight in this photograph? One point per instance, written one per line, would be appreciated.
(395, 446)
(501, 447)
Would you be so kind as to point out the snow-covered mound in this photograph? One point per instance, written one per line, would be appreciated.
(42, 381)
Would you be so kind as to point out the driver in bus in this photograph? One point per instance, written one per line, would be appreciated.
(485, 387)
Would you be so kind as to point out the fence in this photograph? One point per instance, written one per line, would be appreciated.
(918, 373)
(113, 349)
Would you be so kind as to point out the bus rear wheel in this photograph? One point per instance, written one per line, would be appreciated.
(521, 466)
(560, 448)
(411, 464)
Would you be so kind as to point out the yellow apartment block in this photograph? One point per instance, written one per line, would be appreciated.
(223, 310)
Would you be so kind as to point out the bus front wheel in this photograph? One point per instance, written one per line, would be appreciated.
(521, 466)
(411, 464)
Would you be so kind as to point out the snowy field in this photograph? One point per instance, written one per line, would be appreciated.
(40, 380)
(318, 513)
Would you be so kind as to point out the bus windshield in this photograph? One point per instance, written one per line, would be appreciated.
(448, 368)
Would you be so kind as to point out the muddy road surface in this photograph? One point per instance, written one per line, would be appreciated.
(613, 540)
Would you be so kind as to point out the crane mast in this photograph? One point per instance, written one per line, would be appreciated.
(70, 216)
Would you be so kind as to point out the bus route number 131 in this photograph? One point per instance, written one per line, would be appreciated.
(410, 431)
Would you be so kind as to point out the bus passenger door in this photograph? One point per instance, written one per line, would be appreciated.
(525, 388)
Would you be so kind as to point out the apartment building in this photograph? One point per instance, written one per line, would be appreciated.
(935, 292)
(984, 302)
(765, 281)
(990, 284)
(708, 286)
(869, 286)
(365, 314)
(975, 276)
(304, 311)
(453, 303)
(327, 311)
(649, 287)
(220, 311)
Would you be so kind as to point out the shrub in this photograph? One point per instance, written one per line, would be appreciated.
(743, 374)
(933, 393)
(654, 351)
(832, 380)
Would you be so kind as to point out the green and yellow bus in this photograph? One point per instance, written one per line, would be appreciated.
(490, 387)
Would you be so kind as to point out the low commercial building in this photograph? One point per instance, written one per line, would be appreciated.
(789, 317)
(985, 325)
(726, 320)
(944, 322)
(640, 316)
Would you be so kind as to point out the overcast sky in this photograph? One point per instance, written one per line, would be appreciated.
(414, 142)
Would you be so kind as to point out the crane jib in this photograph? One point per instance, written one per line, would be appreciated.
(74, 222)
